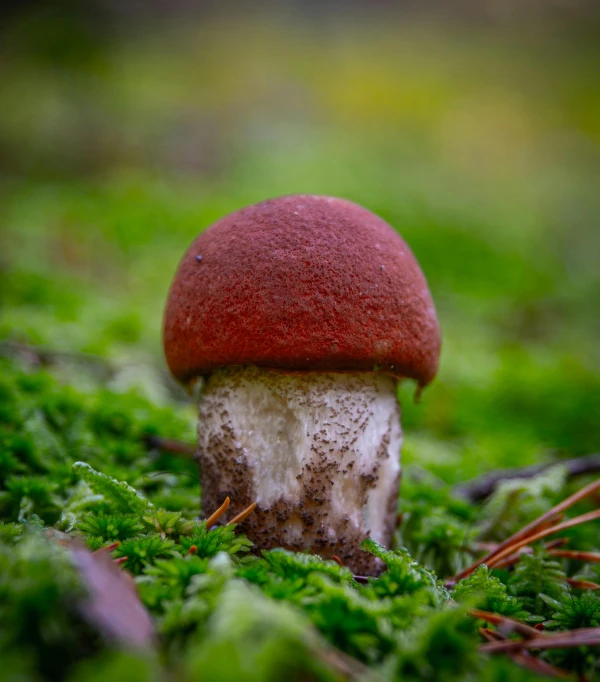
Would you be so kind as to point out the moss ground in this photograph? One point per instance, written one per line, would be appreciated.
(483, 152)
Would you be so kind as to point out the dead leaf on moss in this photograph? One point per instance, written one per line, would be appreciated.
(112, 604)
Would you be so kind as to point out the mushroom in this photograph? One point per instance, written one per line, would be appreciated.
(301, 313)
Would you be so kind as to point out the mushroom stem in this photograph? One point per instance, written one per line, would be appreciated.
(318, 452)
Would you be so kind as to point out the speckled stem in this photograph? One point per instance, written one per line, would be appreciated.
(318, 452)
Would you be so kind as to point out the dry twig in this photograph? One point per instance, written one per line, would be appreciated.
(175, 447)
(480, 488)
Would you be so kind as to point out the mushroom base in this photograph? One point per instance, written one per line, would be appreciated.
(318, 452)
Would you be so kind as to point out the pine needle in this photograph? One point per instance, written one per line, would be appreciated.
(216, 515)
(591, 557)
(107, 548)
(524, 658)
(578, 520)
(531, 532)
(506, 625)
(243, 515)
(556, 640)
(582, 584)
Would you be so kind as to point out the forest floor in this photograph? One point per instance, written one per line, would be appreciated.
(484, 155)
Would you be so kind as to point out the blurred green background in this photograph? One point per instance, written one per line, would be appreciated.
(475, 131)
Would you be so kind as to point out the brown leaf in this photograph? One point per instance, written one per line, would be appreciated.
(112, 604)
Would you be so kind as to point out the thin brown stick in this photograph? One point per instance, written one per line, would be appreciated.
(537, 665)
(493, 546)
(216, 515)
(524, 658)
(591, 557)
(550, 522)
(556, 640)
(361, 579)
(243, 514)
(172, 445)
(582, 584)
(511, 543)
(107, 548)
(512, 559)
(506, 625)
(590, 516)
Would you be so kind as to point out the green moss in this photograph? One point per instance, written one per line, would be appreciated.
(77, 459)
(496, 201)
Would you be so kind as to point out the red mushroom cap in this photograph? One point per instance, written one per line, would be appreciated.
(301, 283)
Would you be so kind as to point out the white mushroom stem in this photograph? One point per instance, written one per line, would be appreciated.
(318, 452)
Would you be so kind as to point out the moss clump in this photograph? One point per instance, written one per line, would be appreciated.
(217, 607)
